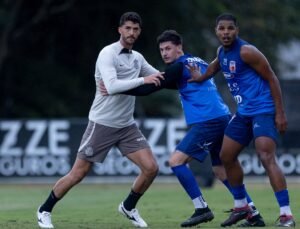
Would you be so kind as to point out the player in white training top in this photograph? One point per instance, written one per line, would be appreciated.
(111, 122)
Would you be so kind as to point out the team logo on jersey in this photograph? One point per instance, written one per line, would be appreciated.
(233, 87)
(228, 75)
(232, 66)
(141, 139)
(224, 61)
(205, 146)
(88, 151)
(136, 64)
(256, 125)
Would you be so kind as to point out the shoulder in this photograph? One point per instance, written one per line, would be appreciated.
(176, 67)
(219, 49)
(108, 54)
(137, 54)
(246, 47)
(251, 55)
(111, 48)
(248, 50)
(187, 58)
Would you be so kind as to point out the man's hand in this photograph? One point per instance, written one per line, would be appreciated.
(281, 122)
(102, 88)
(195, 72)
(154, 78)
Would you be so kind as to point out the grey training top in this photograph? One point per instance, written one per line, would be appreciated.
(119, 72)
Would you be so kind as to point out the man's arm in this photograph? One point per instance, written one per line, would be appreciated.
(106, 68)
(255, 59)
(172, 75)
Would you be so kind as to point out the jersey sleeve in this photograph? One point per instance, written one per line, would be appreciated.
(172, 76)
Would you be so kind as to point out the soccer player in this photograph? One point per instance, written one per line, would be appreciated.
(205, 113)
(111, 122)
(260, 115)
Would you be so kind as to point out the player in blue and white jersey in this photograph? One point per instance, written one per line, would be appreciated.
(260, 115)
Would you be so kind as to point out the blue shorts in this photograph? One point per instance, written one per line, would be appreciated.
(203, 138)
(244, 128)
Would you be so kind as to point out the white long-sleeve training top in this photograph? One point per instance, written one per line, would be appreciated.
(119, 72)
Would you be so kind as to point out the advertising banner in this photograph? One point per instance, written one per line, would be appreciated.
(43, 148)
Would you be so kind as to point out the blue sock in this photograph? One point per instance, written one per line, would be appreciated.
(239, 192)
(187, 180)
(226, 183)
(283, 198)
(249, 200)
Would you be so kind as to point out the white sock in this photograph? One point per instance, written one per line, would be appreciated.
(285, 210)
(240, 203)
(251, 204)
(199, 202)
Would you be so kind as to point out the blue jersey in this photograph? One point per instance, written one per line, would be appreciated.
(251, 92)
(201, 101)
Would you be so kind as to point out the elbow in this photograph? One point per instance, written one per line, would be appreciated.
(111, 90)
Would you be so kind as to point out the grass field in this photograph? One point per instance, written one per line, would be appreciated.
(95, 206)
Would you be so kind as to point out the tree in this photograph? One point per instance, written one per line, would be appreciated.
(48, 48)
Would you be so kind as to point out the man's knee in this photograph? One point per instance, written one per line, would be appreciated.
(154, 169)
(173, 161)
(151, 170)
(79, 171)
(225, 159)
(267, 158)
(219, 172)
(178, 158)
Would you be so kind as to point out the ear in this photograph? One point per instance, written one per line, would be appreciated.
(119, 29)
(179, 48)
(140, 30)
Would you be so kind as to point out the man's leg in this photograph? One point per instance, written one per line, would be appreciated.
(229, 156)
(255, 219)
(145, 160)
(62, 186)
(220, 174)
(265, 148)
(187, 180)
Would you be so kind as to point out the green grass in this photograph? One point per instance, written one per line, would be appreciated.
(95, 206)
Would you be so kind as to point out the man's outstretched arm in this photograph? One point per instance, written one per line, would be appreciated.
(172, 75)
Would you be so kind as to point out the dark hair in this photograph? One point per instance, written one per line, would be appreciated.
(226, 17)
(170, 35)
(130, 16)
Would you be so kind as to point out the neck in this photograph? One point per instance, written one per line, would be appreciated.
(181, 53)
(125, 45)
(228, 47)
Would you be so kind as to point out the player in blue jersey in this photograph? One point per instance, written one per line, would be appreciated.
(205, 113)
(260, 115)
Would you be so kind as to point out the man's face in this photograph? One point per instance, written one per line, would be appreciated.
(129, 32)
(169, 52)
(226, 32)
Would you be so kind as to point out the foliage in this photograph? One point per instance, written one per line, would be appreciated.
(48, 48)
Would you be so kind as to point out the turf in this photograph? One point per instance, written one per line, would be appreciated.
(95, 206)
